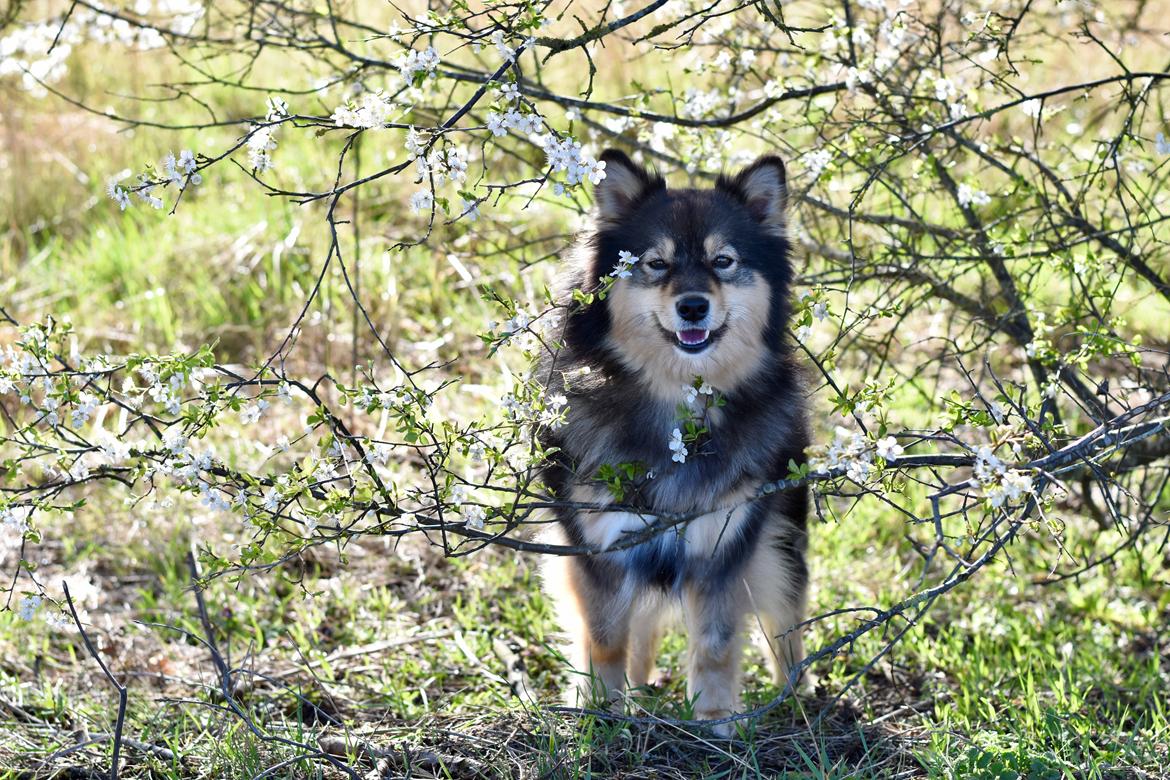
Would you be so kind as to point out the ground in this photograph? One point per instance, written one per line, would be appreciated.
(447, 667)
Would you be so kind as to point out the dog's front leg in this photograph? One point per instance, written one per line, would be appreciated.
(600, 631)
(714, 640)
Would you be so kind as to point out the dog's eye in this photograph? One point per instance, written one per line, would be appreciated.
(723, 262)
(658, 264)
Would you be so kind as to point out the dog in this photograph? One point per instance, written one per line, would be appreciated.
(683, 398)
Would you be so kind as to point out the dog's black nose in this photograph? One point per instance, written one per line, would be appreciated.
(693, 308)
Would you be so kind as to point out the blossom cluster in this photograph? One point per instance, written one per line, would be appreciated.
(38, 53)
(816, 161)
(695, 390)
(371, 110)
(1000, 484)
(814, 306)
(970, 196)
(625, 264)
(565, 155)
(260, 145)
(677, 446)
(514, 120)
(448, 162)
(181, 170)
(506, 52)
(854, 453)
(416, 65)
(472, 515)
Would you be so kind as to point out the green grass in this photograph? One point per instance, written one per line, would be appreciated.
(1002, 677)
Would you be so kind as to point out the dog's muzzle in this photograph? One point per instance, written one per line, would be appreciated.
(693, 311)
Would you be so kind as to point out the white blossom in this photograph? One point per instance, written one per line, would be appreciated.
(509, 92)
(453, 164)
(411, 63)
(145, 192)
(473, 515)
(1012, 486)
(565, 154)
(968, 195)
(677, 447)
(856, 76)
(496, 124)
(816, 161)
(379, 453)
(692, 393)
(13, 526)
(83, 409)
(277, 109)
(505, 51)
(252, 412)
(421, 201)
(999, 484)
(625, 264)
(181, 169)
(888, 449)
(521, 123)
(260, 145)
(371, 111)
(517, 323)
(697, 103)
(944, 89)
(850, 451)
(29, 606)
(458, 495)
(553, 415)
(117, 194)
(416, 143)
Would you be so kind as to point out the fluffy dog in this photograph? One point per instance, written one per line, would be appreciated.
(683, 400)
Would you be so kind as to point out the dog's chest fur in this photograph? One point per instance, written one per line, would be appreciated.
(746, 446)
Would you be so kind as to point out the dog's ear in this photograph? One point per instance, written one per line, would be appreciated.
(763, 188)
(625, 184)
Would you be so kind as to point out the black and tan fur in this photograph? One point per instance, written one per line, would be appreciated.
(740, 563)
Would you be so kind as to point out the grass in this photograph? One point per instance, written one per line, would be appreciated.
(397, 656)
(1061, 681)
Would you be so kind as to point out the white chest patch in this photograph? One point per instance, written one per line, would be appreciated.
(677, 548)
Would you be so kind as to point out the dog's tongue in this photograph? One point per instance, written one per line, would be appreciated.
(692, 337)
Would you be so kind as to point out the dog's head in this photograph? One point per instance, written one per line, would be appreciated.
(708, 295)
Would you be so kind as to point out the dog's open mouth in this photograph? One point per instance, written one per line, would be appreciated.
(693, 340)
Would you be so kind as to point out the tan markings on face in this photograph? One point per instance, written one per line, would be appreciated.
(715, 245)
(739, 353)
(638, 315)
(663, 249)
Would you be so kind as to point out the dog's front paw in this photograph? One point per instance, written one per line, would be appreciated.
(721, 730)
